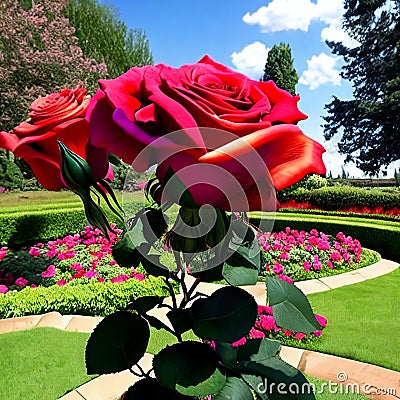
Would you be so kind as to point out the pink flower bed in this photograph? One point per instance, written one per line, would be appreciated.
(85, 255)
(266, 327)
(354, 209)
(294, 255)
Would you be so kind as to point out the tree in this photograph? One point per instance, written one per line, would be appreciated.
(39, 54)
(368, 125)
(279, 68)
(104, 37)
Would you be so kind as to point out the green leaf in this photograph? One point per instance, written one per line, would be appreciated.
(234, 389)
(258, 350)
(226, 316)
(227, 354)
(257, 383)
(118, 342)
(240, 276)
(177, 190)
(280, 380)
(290, 307)
(209, 274)
(190, 368)
(150, 388)
(181, 320)
(125, 252)
(145, 303)
(151, 263)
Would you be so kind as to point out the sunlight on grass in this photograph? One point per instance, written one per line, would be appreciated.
(363, 320)
(41, 363)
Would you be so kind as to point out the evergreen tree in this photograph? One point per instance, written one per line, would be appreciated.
(279, 68)
(368, 125)
(104, 37)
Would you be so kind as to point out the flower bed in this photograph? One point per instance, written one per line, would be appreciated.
(294, 255)
(84, 256)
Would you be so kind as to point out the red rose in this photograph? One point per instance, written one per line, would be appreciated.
(226, 121)
(58, 116)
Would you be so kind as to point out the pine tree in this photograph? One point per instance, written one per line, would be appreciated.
(368, 125)
(279, 68)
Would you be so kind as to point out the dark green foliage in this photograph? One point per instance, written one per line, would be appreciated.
(93, 298)
(22, 264)
(17, 229)
(117, 343)
(279, 68)
(338, 197)
(104, 37)
(10, 175)
(368, 124)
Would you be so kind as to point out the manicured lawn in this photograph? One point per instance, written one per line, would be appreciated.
(41, 364)
(45, 363)
(363, 320)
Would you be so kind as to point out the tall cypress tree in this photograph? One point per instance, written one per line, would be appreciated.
(279, 68)
(368, 125)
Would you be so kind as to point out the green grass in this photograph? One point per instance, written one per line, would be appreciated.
(363, 321)
(46, 363)
(41, 363)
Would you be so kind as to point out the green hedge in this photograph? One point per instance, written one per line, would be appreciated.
(381, 236)
(17, 229)
(93, 298)
(337, 197)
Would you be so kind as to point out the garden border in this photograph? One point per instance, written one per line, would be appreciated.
(319, 365)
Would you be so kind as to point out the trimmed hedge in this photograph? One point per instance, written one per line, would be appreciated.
(337, 197)
(93, 298)
(340, 214)
(21, 228)
(381, 236)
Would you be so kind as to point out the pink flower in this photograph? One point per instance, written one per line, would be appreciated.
(113, 262)
(285, 278)
(50, 271)
(306, 266)
(3, 289)
(120, 278)
(34, 252)
(317, 333)
(323, 246)
(3, 252)
(100, 279)
(239, 342)
(278, 268)
(90, 274)
(264, 309)
(256, 334)
(61, 282)
(286, 332)
(308, 248)
(330, 264)
(299, 335)
(321, 320)
(267, 322)
(335, 256)
(284, 256)
(138, 276)
(21, 281)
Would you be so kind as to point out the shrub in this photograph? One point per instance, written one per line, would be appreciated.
(93, 298)
(341, 197)
(381, 236)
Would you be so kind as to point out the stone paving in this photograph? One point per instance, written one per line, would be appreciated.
(366, 377)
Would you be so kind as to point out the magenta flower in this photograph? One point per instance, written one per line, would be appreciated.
(285, 278)
(324, 245)
(321, 320)
(21, 281)
(300, 335)
(256, 334)
(50, 271)
(264, 309)
(317, 333)
(239, 342)
(278, 268)
(286, 332)
(61, 282)
(3, 252)
(284, 256)
(307, 266)
(3, 289)
(268, 322)
(34, 252)
(90, 274)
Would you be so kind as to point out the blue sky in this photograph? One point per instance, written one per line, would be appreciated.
(238, 33)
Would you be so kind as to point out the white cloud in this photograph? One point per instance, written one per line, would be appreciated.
(251, 59)
(282, 15)
(329, 11)
(335, 33)
(321, 70)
